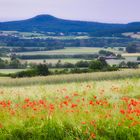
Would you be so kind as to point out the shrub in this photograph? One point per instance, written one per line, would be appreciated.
(27, 73)
(42, 69)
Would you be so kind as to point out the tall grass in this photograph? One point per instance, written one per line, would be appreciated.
(102, 110)
(70, 78)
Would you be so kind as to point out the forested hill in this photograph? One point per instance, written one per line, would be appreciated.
(47, 23)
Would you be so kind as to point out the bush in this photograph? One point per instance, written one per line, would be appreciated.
(106, 53)
(132, 65)
(133, 48)
(27, 73)
(138, 59)
(40, 70)
(82, 64)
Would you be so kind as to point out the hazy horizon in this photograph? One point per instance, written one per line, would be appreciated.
(107, 11)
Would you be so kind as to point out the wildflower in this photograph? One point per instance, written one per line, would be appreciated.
(66, 97)
(75, 94)
(66, 103)
(35, 109)
(1, 125)
(93, 136)
(119, 124)
(122, 111)
(74, 105)
(27, 100)
(83, 123)
(91, 102)
(95, 97)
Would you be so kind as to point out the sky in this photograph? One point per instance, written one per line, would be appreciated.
(110, 11)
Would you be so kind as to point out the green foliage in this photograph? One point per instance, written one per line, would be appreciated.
(42, 70)
(82, 64)
(138, 59)
(81, 56)
(13, 64)
(27, 73)
(132, 65)
(129, 64)
(39, 70)
(99, 64)
(106, 53)
(133, 48)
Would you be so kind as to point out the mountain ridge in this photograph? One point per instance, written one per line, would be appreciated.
(49, 23)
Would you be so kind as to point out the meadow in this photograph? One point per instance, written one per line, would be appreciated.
(53, 61)
(68, 78)
(79, 50)
(69, 50)
(98, 106)
(8, 71)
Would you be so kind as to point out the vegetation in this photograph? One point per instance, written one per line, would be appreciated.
(60, 25)
(85, 100)
(39, 70)
(129, 64)
(55, 79)
(81, 56)
(42, 69)
(88, 110)
(133, 48)
(106, 53)
(13, 64)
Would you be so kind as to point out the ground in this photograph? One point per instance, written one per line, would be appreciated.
(78, 110)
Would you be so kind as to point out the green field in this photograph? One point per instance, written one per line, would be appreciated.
(8, 71)
(55, 79)
(69, 50)
(31, 35)
(53, 61)
(102, 106)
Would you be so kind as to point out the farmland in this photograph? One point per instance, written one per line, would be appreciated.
(95, 105)
(66, 51)
(85, 106)
(7, 71)
(53, 61)
(69, 79)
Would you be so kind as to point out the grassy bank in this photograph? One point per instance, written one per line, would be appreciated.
(70, 78)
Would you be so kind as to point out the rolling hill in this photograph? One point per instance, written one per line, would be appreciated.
(48, 23)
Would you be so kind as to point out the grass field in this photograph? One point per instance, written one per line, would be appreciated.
(53, 61)
(55, 79)
(8, 71)
(131, 54)
(69, 50)
(74, 107)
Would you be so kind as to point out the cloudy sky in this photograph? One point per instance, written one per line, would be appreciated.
(116, 11)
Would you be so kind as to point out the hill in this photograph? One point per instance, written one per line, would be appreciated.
(48, 23)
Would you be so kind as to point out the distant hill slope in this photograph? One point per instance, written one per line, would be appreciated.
(47, 23)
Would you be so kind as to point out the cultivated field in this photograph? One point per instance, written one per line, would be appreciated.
(53, 61)
(50, 108)
(69, 50)
(8, 71)
(55, 79)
